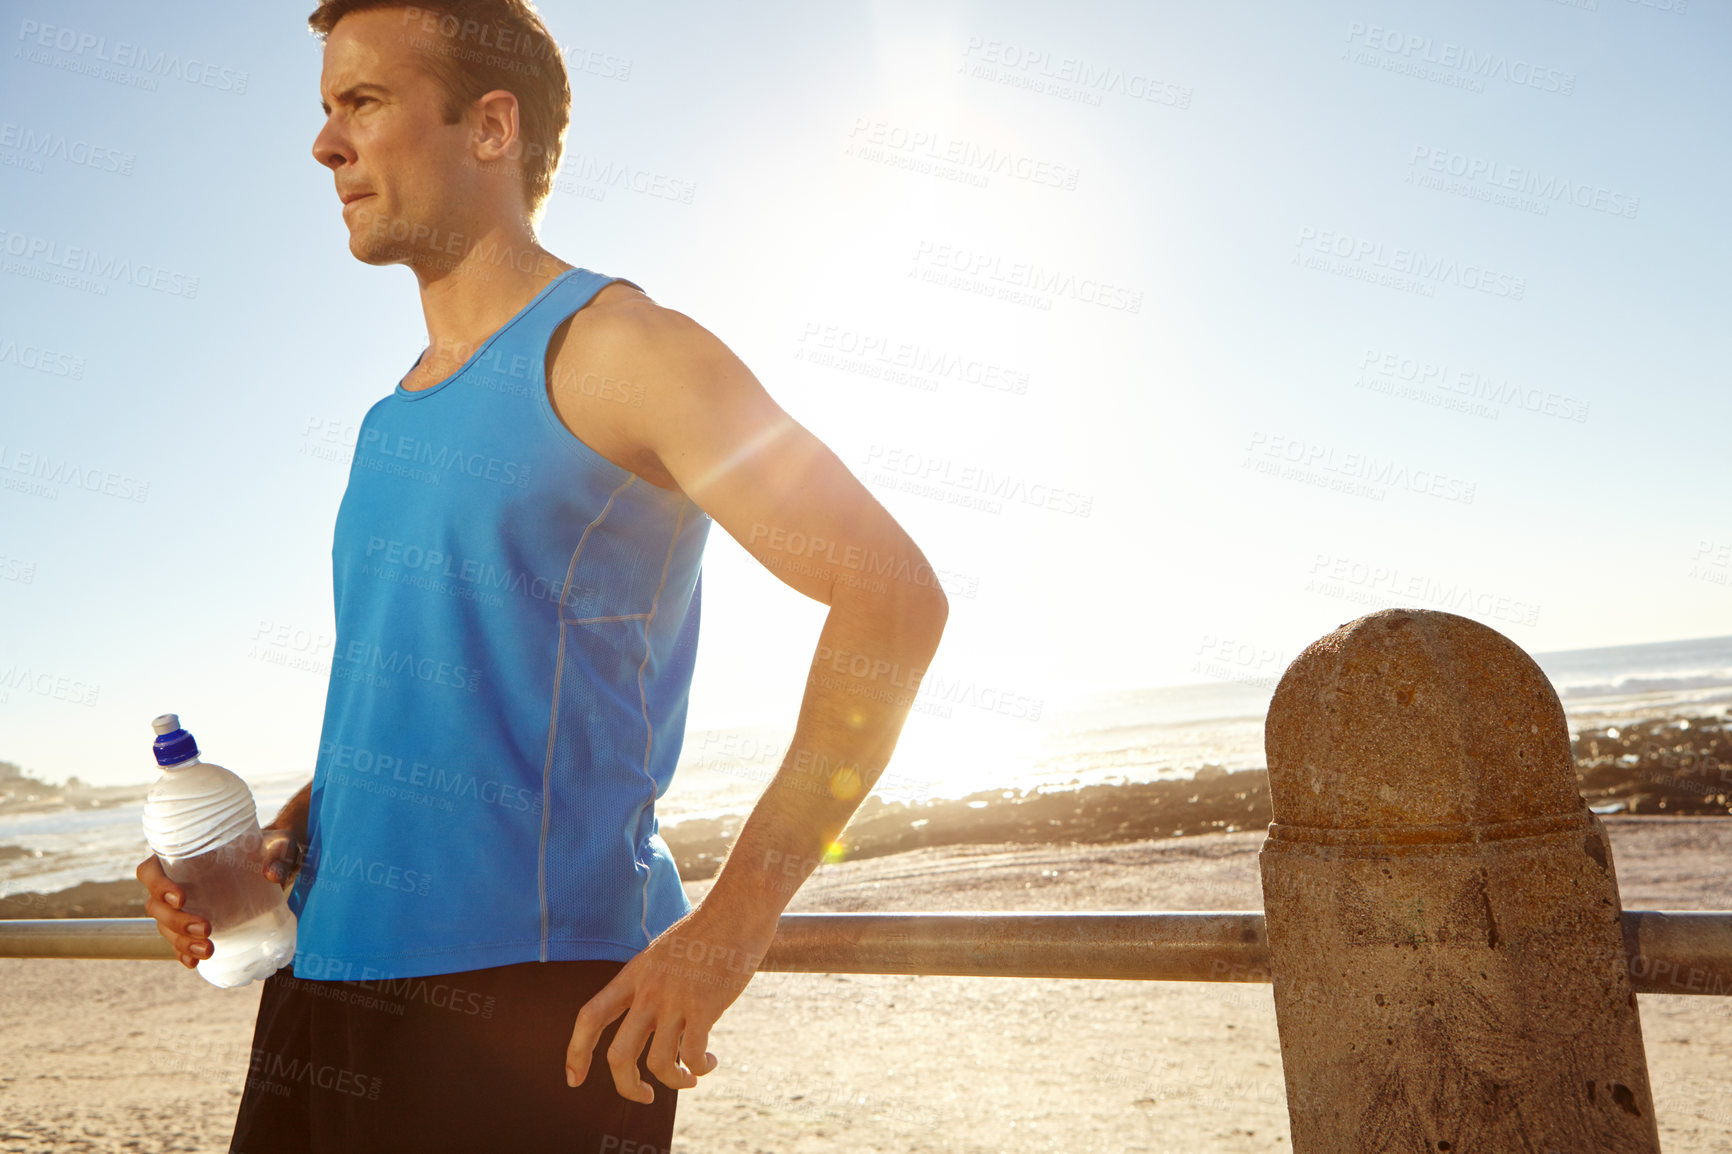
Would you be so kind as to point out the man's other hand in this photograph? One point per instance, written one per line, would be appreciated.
(675, 989)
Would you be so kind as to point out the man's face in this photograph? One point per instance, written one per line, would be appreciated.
(400, 168)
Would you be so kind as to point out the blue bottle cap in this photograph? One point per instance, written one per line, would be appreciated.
(173, 744)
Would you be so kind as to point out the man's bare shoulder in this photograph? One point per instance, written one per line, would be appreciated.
(625, 372)
(668, 361)
(622, 321)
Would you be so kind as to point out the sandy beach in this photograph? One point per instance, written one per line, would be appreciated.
(128, 1056)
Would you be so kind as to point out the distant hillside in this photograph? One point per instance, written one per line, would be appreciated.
(18, 786)
(21, 793)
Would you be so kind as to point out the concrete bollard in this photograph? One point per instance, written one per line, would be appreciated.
(1442, 911)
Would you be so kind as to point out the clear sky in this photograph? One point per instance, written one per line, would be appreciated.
(1219, 324)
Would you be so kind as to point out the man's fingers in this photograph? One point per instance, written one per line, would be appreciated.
(663, 1059)
(280, 853)
(157, 883)
(187, 933)
(592, 1019)
(165, 895)
(692, 1052)
(177, 923)
(623, 1053)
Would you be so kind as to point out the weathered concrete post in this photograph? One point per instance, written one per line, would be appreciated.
(1442, 911)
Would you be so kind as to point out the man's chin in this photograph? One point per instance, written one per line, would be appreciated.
(373, 254)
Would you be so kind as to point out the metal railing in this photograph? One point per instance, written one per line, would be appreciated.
(1668, 951)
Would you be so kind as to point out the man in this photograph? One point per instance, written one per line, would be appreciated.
(481, 891)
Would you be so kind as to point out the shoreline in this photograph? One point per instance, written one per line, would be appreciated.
(1666, 766)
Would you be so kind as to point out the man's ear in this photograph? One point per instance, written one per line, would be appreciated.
(496, 134)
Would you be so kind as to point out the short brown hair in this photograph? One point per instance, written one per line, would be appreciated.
(490, 44)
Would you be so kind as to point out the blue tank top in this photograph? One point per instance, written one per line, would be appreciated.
(517, 619)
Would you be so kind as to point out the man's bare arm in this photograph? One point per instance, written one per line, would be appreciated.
(790, 502)
(787, 498)
(870, 656)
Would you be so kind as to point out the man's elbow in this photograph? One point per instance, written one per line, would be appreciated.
(940, 610)
(925, 612)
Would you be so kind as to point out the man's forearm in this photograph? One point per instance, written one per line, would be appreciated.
(293, 815)
(871, 655)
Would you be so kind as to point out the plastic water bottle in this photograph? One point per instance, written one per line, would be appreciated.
(201, 821)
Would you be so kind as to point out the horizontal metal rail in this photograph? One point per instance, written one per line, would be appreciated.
(1668, 951)
(1162, 947)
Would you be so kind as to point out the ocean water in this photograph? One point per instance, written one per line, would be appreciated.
(1683, 672)
(63, 847)
(951, 750)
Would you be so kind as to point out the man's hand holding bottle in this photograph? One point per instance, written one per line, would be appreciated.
(187, 930)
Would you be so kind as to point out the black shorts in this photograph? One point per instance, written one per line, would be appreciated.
(471, 1061)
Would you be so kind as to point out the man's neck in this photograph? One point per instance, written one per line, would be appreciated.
(468, 296)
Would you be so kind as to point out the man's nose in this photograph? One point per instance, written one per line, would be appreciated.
(330, 149)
